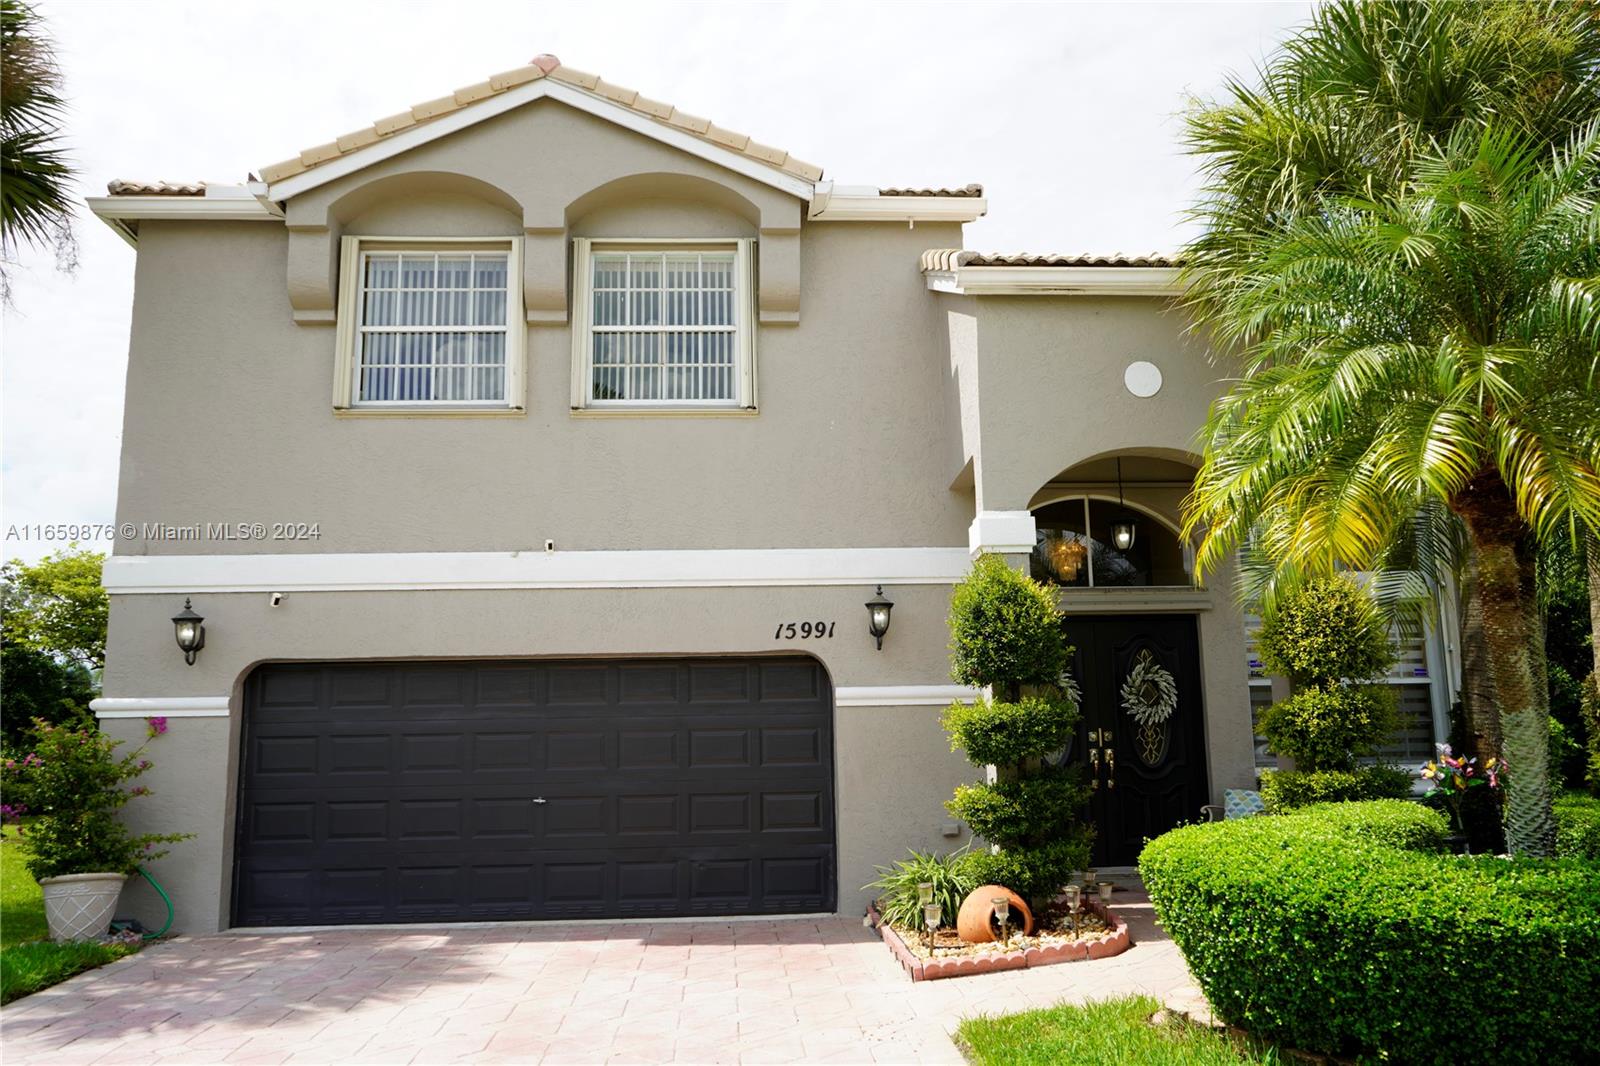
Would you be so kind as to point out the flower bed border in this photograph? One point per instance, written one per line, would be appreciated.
(921, 969)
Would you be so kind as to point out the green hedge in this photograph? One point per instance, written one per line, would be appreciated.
(1285, 790)
(1578, 826)
(1344, 930)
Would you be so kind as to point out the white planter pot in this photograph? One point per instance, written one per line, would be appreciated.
(79, 906)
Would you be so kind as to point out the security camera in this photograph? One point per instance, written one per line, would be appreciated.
(277, 599)
(549, 545)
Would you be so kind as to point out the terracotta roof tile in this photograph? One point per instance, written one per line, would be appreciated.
(356, 139)
(510, 79)
(550, 66)
(156, 188)
(321, 153)
(471, 94)
(573, 76)
(966, 190)
(944, 259)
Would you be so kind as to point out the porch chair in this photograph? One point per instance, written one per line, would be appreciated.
(1236, 803)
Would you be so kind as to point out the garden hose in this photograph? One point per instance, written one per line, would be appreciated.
(164, 898)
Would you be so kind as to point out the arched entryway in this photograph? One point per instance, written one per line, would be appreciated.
(1107, 534)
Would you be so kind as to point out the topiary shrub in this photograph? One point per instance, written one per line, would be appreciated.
(1328, 728)
(1326, 631)
(1342, 929)
(1005, 636)
(1330, 640)
(999, 734)
(1004, 631)
(1286, 790)
(1577, 826)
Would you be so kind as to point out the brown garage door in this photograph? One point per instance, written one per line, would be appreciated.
(409, 792)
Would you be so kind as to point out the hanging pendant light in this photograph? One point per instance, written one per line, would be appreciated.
(1124, 529)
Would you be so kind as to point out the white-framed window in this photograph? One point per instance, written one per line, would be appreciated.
(431, 324)
(663, 324)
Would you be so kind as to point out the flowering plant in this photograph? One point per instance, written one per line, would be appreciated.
(69, 789)
(1454, 775)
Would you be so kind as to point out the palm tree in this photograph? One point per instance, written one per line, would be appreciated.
(1440, 344)
(1345, 108)
(35, 171)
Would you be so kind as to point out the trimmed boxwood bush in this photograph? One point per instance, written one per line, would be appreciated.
(1578, 826)
(1285, 790)
(1343, 929)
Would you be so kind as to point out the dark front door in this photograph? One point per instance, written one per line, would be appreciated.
(1146, 777)
(439, 791)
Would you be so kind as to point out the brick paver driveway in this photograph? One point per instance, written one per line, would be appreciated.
(800, 990)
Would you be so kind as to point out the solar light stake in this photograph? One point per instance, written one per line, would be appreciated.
(932, 914)
(1002, 914)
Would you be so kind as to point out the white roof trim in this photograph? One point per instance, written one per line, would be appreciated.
(846, 204)
(424, 132)
(1055, 281)
(122, 213)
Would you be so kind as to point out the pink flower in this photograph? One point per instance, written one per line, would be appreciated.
(156, 726)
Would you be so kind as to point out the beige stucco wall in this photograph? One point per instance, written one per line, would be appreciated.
(893, 766)
(228, 418)
(1052, 392)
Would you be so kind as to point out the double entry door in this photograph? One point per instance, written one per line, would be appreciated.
(1148, 775)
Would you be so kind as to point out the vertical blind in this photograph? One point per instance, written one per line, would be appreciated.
(433, 327)
(664, 327)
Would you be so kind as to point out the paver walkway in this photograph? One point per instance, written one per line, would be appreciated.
(819, 990)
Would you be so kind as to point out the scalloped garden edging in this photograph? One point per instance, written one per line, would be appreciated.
(921, 969)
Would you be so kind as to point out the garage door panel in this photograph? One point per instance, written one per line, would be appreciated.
(699, 787)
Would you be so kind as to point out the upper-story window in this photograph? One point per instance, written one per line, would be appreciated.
(663, 324)
(430, 324)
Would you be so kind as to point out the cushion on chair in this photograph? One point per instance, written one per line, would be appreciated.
(1241, 803)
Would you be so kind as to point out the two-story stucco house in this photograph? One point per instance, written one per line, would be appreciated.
(531, 456)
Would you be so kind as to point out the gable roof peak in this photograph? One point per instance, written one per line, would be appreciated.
(540, 67)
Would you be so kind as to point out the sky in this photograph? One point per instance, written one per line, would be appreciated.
(1069, 114)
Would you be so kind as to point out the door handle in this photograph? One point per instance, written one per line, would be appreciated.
(1111, 768)
(1094, 769)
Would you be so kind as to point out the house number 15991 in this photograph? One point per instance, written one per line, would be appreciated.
(804, 630)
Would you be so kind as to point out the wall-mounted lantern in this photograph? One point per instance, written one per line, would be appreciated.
(878, 609)
(190, 630)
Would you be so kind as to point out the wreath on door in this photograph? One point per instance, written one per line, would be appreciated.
(1149, 693)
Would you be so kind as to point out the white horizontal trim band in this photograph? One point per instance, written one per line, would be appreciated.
(385, 571)
(902, 695)
(168, 706)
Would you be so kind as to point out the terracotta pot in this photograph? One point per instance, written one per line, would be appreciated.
(975, 922)
(78, 906)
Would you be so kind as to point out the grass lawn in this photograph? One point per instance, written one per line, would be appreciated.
(27, 961)
(1112, 1032)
